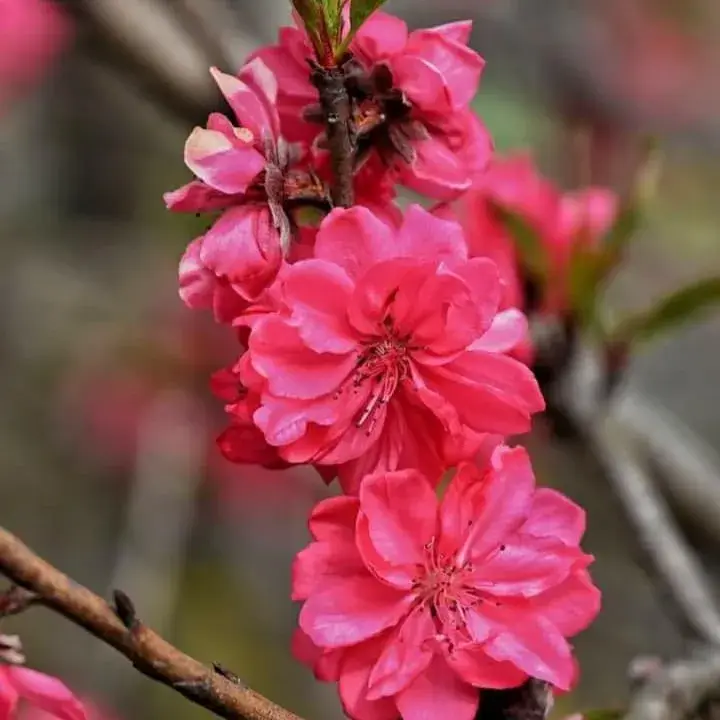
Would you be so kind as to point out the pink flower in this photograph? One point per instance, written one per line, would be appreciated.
(41, 691)
(252, 174)
(412, 605)
(563, 222)
(32, 32)
(413, 93)
(387, 351)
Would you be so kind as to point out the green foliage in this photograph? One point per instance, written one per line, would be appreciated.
(675, 309)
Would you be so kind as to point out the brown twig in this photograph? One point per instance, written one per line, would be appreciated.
(120, 628)
(337, 114)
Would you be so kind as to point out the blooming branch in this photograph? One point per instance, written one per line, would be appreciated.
(211, 688)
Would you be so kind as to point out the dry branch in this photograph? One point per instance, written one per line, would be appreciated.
(120, 628)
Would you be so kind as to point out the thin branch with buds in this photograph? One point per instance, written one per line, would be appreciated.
(212, 688)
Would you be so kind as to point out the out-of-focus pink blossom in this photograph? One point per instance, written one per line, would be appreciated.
(387, 351)
(250, 173)
(413, 100)
(412, 605)
(21, 688)
(563, 222)
(32, 32)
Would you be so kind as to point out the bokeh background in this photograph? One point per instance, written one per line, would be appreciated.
(107, 457)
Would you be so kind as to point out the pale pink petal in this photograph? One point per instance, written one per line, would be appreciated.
(354, 239)
(459, 66)
(436, 171)
(381, 36)
(407, 653)
(351, 610)
(438, 693)
(401, 508)
(570, 606)
(554, 515)
(334, 518)
(509, 328)
(291, 368)
(47, 693)
(321, 563)
(224, 165)
(317, 294)
(424, 236)
(263, 83)
(506, 496)
(536, 647)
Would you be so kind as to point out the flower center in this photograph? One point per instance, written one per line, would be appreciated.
(386, 364)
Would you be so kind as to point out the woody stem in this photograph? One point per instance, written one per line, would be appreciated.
(337, 115)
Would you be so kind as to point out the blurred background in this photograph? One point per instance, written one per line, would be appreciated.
(107, 458)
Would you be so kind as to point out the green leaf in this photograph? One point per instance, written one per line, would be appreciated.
(361, 10)
(584, 280)
(527, 241)
(312, 15)
(673, 310)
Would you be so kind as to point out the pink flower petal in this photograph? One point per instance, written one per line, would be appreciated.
(472, 664)
(525, 566)
(244, 247)
(424, 236)
(321, 563)
(570, 606)
(326, 664)
(436, 170)
(536, 647)
(353, 686)
(509, 328)
(292, 369)
(249, 107)
(354, 239)
(195, 197)
(407, 653)
(381, 36)
(506, 496)
(458, 31)
(554, 515)
(47, 693)
(197, 283)
(401, 508)
(351, 610)
(438, 693)
(334, 518)
(422, 83)
(459, 66)
(399, 576)
(317, 293)
(224, 165)
(8, 694)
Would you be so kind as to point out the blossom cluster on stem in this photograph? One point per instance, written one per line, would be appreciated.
(387, 347)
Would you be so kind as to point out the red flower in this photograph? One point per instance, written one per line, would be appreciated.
(41, 691)
(412, 100)
(251, 173)
(387, 350)
(411, 604)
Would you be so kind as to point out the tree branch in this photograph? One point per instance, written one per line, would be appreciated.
(337, 114)
(149, 653)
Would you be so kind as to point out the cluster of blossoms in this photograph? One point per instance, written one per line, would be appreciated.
(387, 348)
